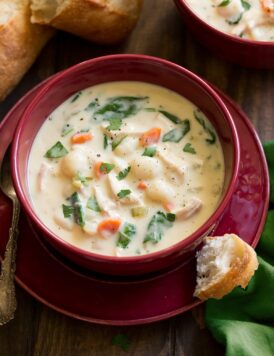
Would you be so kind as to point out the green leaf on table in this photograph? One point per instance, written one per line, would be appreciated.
(122, 341)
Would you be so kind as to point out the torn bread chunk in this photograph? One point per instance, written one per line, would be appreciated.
(223, 263)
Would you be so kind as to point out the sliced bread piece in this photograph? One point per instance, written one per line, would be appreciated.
(101, 21)
(20, 42)
(223, 263)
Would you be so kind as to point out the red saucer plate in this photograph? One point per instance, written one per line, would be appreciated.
(129, 302)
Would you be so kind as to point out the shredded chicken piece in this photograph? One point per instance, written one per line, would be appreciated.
(190, 209)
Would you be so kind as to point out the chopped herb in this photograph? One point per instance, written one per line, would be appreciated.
(139, 211)
(122, 174)
(159, 222)
(92, 204)
(171, 117)
(122, 341)
(105, 168)
(178, 133)
(67, 129)
(126, 234)
(67, 210)
(116, 142)
(105, 141)
(123, 193)
(150, 109)
(199, 116)
(77, 96)
(120, 107)
(150, 151)
(91, 106)
(189, 149)
(84, 130)
(115, 124)
(245, 5)
(56, 151)
(224, 3)
(78, 211)
(234, 20)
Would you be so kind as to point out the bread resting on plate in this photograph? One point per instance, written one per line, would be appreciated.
(223, 263)
(101, 21)
(20, 42)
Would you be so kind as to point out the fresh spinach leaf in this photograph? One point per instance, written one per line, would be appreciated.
(105, 168)
(150, 151)
(126, 234)
(199, 116)
(67, 210)
(105, 141)
(122, 174)
(92, 204)
(175, 135)
(56, 151)
(116, 142)
(114, 124)
(120, 107)
(245, 5)
(76, 97)
(157, 225)
(78, 211)
(123, 193)
(189, 149)
(224, 3)
(175, 119)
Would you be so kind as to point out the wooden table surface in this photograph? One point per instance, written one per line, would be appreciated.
(37, 330)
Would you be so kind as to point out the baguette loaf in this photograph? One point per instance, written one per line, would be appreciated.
(101, 21)
(222, 264)
(20, 42)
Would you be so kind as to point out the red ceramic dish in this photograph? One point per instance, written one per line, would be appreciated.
(255, 54)
(118, 68)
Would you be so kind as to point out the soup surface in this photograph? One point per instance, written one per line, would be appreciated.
(125, 168)
(251, 19)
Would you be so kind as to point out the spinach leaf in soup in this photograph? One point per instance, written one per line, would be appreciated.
(157, 225)
(122, 174)
(56, 151)
(120, 107)
(176, 135)
(74, 210)
(173, 118)
(199, 116)
(92, 204)
(126, 235)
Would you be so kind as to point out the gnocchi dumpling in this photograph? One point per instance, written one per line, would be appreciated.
(160, 191)
(75, 161)
(145, 167)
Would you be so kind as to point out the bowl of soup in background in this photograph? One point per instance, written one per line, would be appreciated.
(243, 51)
(120, 68)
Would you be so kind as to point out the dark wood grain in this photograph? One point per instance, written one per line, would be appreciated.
(40, 331)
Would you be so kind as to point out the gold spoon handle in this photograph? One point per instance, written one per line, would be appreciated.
(8, 302)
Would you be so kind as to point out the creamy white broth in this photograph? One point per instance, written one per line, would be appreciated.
(250, 19)
(183, 180)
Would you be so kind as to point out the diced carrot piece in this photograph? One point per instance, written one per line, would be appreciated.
(81, 137)
(142, 185)
(108, 227)
(168, 207)
(97, 170)
(151, 136)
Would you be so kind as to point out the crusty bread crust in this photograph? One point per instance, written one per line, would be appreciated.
(241, 270)
(101, 21)
(20, 44)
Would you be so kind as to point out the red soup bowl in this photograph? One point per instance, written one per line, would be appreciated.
(248, 53)
(124, 68)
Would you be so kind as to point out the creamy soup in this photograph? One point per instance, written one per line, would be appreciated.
(251, 19)
(125, 168)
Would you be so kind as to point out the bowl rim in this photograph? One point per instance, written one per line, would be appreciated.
(184, 6)
(183, 244)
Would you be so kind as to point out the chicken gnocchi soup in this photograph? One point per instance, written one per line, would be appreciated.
(250, 19)
(125, 168)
